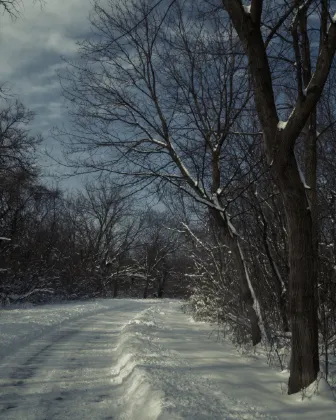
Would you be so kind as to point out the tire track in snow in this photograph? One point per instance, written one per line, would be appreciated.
(41, 385)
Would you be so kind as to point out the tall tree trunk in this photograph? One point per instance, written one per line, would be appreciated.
(145, 295)
(304, 363)
(281, 141)
(116, 284)
(161, 286)
(311, 174)
(115, 287)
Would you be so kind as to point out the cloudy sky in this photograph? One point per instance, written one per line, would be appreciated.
(31, 54)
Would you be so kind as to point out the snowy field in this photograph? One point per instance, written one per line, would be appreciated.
(134, 360)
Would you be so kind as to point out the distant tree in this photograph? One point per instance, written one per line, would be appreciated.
(153, 251)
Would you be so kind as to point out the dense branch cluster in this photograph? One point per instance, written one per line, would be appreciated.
(94, 243)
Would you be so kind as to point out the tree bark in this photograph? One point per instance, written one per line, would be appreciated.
(161, 286)
(304, 363)
(145, 295)
(115, 287)
(311, 174)
(279, 145)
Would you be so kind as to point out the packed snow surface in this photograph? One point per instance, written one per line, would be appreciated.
(134, 360)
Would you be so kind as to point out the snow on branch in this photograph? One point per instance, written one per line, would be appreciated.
(256, 305)
(303, 180)
(197, 240)
(206, 201)
(225, 215)
(282, 125)
(232, 229)
(247, 8)
(307, 187)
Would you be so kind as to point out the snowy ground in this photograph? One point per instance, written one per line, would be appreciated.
(134, 360)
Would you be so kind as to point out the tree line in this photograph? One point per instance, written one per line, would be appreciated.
(91, 243)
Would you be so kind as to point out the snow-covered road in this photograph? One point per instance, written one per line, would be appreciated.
(132, 360)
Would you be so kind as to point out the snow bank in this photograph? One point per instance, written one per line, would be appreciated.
(176, 367)
(320, 389)
(159, 383)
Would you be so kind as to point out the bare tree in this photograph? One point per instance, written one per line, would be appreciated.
(18, 148)
(280, 139)
(103, 227)
(162, 98)
(153, 250)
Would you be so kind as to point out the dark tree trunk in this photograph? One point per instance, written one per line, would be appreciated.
(160, 293)
(116, 284)
(311, 174)
(161, 286)
(279, 146)
(145, 295)
(304, 364)
(115, 287)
